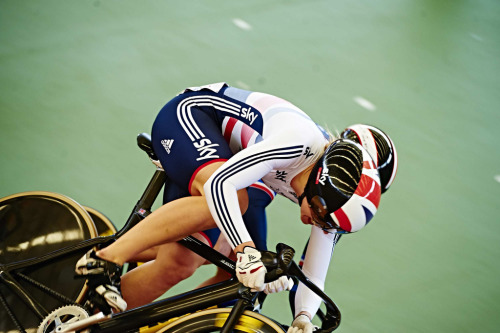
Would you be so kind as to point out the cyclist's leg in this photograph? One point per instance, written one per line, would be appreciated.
(175, 263)
(146, 255)
(172, 191)
(165, 265)
(221, 245)
(169, 223)
(182, 163)
(152, 279)
(170, 263)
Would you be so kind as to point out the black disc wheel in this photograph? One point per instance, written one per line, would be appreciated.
(33, 224)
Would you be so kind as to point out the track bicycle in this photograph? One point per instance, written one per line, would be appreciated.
(36, 294)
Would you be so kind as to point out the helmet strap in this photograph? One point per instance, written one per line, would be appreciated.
(301, 197)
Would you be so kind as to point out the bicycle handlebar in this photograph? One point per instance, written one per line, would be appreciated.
(277, 264)
(281, 263)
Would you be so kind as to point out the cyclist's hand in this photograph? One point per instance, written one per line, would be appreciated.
(276, 286)
(249, 268)
(301, 324)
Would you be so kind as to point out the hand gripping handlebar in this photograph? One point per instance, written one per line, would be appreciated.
(281, 263)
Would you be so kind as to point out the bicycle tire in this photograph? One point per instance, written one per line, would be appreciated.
(103, 225)
(212, 320)
(33, 224)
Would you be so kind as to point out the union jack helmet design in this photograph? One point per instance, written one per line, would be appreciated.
(343, 189)
(380, 147)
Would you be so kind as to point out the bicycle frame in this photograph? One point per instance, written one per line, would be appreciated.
(150, 314)
(174, 306)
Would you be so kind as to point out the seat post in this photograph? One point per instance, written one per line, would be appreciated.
(143, 206)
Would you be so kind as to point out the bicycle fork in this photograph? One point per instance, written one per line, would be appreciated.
(247, 300)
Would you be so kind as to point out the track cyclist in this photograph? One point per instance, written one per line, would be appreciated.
(215, 141)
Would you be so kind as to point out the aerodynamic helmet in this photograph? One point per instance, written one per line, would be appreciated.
(381, 148)
(343, 188)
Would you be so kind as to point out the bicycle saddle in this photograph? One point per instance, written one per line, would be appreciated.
(144, 142)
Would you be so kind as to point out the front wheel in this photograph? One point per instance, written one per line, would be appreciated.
(212, 320)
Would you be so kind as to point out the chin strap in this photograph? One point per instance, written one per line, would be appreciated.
(301, 198)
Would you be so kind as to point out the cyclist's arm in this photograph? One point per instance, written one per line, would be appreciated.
(240, 171)
(316, 262)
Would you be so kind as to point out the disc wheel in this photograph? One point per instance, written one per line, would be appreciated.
(31, 225)
(212, 320)
(103, 225)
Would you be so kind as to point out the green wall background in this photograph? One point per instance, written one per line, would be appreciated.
(80, 79)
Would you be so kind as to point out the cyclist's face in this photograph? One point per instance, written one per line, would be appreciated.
(305, 213)
(307, 216)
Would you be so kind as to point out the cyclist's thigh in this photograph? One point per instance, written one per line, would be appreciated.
(174, 254)
(174, 191)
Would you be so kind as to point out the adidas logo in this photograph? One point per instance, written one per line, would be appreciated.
(251, 257)
(167, 144)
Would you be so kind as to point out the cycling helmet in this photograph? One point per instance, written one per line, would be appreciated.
(379, 146)
(343, 189)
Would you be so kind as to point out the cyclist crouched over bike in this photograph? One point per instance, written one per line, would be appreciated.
(215, 141)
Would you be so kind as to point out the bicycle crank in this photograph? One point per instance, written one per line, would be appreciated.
(63, 318)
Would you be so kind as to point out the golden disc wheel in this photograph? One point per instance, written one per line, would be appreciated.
(102, 223)
(212, 320)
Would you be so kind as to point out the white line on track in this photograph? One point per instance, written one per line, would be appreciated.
(242, 85)
(242, 24)
(476, 37)
(365, 103)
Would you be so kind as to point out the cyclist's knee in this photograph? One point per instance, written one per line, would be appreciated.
(177, 265)
(179, 272)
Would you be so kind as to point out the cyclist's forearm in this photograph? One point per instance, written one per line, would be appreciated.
(315, 267)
